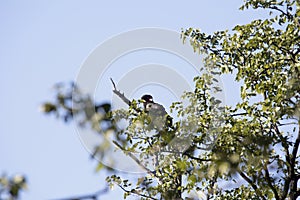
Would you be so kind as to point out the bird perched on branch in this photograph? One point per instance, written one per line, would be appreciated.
(159, 117)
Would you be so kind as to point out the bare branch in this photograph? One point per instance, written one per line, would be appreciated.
(89, 196)
(134, 158)
(238, 114)
(287, 124)
(119, 94)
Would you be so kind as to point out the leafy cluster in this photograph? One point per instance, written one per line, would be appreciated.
(11, 187)
(252, 147)
(264, 55)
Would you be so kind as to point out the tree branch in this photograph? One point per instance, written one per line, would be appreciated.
(284, 144)
(119, 94)
(246, 178)
(287, 124)
(135, 192)
(123, 97)
(288, 160)
(295, 149)
(134, 158)
(287, 14)
(89, 196)
(195, 158)
(238, 114)
(270, 182)
(293, 176)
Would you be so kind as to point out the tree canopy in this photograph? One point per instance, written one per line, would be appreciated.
(211, 144)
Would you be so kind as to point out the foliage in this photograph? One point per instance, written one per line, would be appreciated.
(210, 144)
(10, 187)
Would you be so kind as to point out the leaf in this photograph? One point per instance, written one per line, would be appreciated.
(99, 167)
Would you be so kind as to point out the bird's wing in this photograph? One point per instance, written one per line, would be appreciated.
(156, 109)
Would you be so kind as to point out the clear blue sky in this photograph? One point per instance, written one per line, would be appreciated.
(45, 42)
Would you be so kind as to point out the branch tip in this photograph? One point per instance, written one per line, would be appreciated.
(114, 85)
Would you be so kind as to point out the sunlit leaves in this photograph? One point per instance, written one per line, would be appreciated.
(11, 187)
(264, 55)
(247, 140)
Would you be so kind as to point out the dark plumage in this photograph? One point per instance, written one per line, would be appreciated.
(157, 113)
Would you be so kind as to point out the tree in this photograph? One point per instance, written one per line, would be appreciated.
(256, 140)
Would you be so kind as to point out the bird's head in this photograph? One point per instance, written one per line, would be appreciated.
(147, 99)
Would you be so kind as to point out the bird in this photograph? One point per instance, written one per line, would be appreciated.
(159, 118)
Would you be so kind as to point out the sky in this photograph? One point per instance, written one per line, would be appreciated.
(45, 42)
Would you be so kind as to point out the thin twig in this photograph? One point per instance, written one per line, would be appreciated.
(134, 158)
(136, 193)
(89, 196)
(238, 114)
(186, 154)
(287, 124)
(287, 14)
